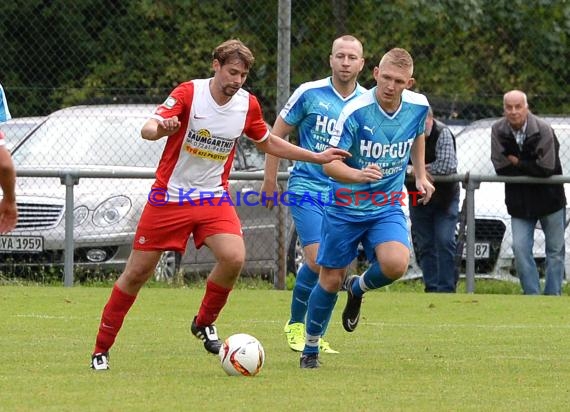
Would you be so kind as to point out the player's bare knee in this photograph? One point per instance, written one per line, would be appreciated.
(332, 282)
(232, 262)
(394, 269)
(134, 277)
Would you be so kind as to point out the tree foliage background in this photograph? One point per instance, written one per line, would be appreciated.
(467, 53)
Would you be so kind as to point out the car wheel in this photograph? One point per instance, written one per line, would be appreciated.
(294, 253)
(167, 266)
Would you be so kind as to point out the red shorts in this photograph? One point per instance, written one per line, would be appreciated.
(168, 227)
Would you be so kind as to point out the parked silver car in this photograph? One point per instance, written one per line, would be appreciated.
(106, 211)
(17, 128)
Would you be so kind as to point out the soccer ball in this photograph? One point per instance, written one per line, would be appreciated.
(242, 355)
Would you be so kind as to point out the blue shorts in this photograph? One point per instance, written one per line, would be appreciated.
(307, 217)
(340, 235)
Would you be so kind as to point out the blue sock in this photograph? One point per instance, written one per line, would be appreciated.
(321, 305)
(373, 278)
(326, 325)
(304, 283)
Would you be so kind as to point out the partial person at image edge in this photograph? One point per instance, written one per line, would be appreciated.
(8, 207)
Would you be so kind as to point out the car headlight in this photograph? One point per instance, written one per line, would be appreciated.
(111, 211)
(80, 214)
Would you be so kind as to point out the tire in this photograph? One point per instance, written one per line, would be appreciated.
(167, 266)
(294, 253)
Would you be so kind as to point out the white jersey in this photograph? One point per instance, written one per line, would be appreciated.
(197, 159)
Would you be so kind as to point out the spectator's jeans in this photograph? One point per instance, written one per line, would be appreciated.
(433, 232)
(523, 242)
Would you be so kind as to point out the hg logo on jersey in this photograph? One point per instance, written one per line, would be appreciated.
(377, 150)
(324, 124)
(323, 129)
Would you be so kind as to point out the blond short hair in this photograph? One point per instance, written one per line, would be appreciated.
(398, 57)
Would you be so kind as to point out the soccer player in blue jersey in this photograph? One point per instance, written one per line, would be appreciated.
(380, 129)
(313, 109)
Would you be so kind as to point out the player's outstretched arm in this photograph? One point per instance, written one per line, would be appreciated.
(278, 147)
(280, 129)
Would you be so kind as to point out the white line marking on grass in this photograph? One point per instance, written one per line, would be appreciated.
(42, 316)
(466, 325)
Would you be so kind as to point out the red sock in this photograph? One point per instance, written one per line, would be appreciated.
(112, 319)
(212, 303)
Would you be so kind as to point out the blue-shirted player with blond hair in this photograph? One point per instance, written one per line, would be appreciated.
(380, 129)
(313, 109)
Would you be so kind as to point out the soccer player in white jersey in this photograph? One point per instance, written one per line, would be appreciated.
(312, 109)
(202, 119)
(8, 208)
(379, 128)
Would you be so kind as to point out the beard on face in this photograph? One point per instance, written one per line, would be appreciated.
(229, 90)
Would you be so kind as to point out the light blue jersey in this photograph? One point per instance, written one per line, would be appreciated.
(373, 136)
(4, 112)
(313, 108)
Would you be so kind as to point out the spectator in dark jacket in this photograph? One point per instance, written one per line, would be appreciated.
(524, 145)
(434, 223)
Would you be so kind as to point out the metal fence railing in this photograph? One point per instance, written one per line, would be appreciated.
(475, 219)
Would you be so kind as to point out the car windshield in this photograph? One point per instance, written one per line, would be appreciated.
(110, 140)
(17, 128)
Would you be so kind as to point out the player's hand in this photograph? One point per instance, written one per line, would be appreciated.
(8, 216)
(169, 126)
(370, 173)
(426, 189)
(270, 189)
(331, 154)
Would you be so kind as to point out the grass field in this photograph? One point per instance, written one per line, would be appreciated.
(411, 352)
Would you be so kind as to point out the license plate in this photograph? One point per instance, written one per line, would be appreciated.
(482, 250)
(31, 244)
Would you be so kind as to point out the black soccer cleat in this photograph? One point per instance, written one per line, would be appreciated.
(310, 361)
(351, 312)
(207, 334)
(100, 361)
